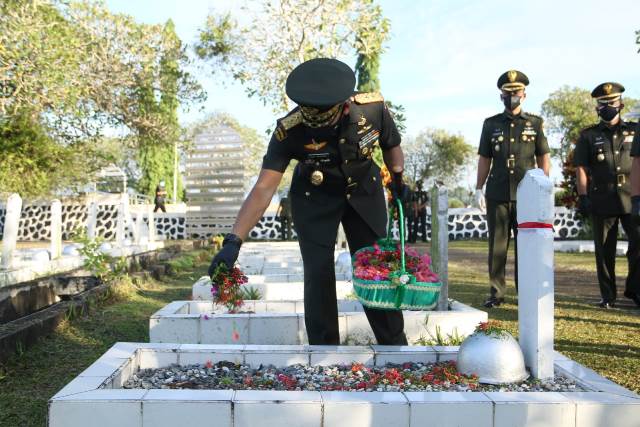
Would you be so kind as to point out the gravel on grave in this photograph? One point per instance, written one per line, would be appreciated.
(441, 376)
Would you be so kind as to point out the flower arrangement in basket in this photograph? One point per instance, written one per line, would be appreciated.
(226, 287)
(389, 276)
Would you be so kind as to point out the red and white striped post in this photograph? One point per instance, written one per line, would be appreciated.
(535, 272)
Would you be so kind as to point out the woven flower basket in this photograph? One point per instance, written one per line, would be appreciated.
(402, 291)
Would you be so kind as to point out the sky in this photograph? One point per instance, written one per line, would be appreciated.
(444, 56)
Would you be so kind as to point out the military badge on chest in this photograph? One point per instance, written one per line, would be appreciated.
(496, 138)
(529, 133)
(365, 144)
(599, 148)
(317, 161)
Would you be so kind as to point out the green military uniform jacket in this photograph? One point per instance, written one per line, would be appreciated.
(344, 159)
(512, 142)
(635, 145)
(606, 154)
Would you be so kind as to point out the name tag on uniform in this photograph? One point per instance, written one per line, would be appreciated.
(317, 158)
(628, 138)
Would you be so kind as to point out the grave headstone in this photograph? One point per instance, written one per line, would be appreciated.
(440, 241)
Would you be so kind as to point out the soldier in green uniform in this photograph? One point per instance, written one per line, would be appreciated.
(284, 216)
(602, 158)
(332, 134)
(511, 143)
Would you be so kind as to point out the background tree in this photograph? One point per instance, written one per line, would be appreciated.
(280, 35)
(436, 154)
(566, 112)
(70, 70)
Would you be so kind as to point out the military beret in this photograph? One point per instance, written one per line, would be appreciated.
(513, 80)
(320, 83)
(607, 91)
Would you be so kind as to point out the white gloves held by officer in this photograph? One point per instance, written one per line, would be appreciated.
(479, 200)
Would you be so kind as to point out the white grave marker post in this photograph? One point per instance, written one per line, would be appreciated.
(440, 241)
(10, 233)
(92, 220)
(535, 272)
(56, 229)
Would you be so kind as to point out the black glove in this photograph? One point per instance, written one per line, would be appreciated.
(584, 205)
(399, 191)
(228, 254)
(635, 206)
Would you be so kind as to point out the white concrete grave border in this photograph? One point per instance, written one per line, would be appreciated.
(281, 322)
(95, 398)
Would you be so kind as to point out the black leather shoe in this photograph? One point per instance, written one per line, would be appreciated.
(633, 297)
(606, 304)
(493, 302)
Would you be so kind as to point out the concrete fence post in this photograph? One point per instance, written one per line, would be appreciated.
(10, 233)
(56, 229)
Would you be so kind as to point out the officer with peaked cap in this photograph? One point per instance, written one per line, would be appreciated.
(511, 143)
(331, 133)
(602, 158)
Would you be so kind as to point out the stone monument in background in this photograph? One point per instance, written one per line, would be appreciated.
(214, 181)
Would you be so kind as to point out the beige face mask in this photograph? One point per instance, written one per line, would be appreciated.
(315, 118)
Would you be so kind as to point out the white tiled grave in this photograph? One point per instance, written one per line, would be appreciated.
(95, 398)
(270, 290)
(282, 323)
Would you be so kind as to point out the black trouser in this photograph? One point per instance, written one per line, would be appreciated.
(285, 228)
(501, 220)
(409, 230)
(320, 307)
(420, 224)
(160, 206)
(605, 237)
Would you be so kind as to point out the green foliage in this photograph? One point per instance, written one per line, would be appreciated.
(455, 203)
(250, 293)
(436, 154)
(72, 70)
(104, 267)
(32, 163)
(440, 339)
(248, 52)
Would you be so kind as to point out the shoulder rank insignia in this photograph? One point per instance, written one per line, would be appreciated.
(280, 133)
(291, 120)
(286, 123)
(368, 97)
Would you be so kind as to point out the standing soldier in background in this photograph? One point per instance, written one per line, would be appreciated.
(602, 158)
(420, 220)
(332, 134)
(161, 194)
(511, 143)
(284, 216)
(410, 214)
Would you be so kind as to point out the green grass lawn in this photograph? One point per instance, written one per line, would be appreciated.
(28, 380)
(607, 341)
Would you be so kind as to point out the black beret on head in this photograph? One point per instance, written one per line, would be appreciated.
(320, 83)
(513, 80)
(608, 90)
